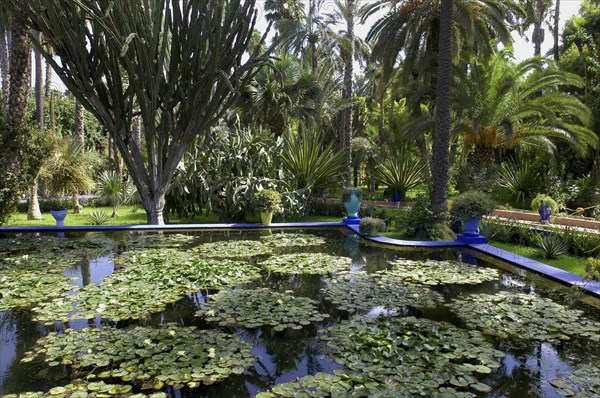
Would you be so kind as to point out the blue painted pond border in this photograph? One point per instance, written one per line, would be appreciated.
(558, 275)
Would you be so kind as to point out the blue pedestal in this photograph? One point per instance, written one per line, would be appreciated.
(471, 239)
(351, 220)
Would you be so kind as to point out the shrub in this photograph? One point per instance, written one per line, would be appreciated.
(471, 204)
(320, 207)
(592, 269)
(268, 200)
(535, 203)
(98, 217)
(419, 222)
(550, 246)
(401, 174)
(495, 229)
(372, 226)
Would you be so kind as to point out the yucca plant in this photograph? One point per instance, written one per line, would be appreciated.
(550, 246)
(311, 162)
(401, 173)
(98, 217)
(116, 190)
(520, 180)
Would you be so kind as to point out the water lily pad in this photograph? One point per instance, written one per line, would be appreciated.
(81, 389)
(172, 355)
(287, 240)
(306, 263)
(421, 356)
(359, 291)
(233, 249)
(258, 307)
(521, 316)
(434, 272)
(154, 240)
(144, 283)
(584, 382)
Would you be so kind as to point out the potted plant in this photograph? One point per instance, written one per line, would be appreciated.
(372, 226)
(268, 202)
(469, 207)
(351, 198)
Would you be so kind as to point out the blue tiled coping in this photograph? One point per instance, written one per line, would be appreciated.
(561, 276)
(555, 274)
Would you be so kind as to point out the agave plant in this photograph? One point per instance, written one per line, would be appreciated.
(520, 180)
(311, 162)
(401, 173)
(551, 246)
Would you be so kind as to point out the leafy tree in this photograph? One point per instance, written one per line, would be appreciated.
(178, 62)
(114, 189)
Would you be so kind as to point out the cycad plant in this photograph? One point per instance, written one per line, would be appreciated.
(116, 190)
(401, 173)
(312, 163)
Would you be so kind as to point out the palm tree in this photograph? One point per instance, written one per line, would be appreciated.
(115, 190)
(411, 28)
(70, 171)
(279, 92)
(4, 65)
(536, 12)
(503, 107)
(441, 132)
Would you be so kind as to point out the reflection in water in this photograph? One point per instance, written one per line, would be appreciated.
(285, 356)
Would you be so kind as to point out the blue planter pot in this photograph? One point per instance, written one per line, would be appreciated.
(59, 216)
(352, 206)
(471, 226)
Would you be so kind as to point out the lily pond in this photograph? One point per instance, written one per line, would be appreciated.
(270, 313)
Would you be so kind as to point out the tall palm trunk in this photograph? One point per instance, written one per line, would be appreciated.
(34, 212)
(441, 131)
(4, 70)
(346, 125)
(79, 134)
(538, 33)
(48, 80)
(555, 29)
(12, 149)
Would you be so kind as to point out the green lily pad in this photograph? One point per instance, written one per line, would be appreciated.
(391, 350)
(359, 291)
(237, 249)
(291, 240)
(259, 307)
(81, 389)
(144, 283)
(433, 272)
(173, 355)
(518, 316)
(306, 263)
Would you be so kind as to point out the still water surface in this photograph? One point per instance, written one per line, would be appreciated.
(285, 356)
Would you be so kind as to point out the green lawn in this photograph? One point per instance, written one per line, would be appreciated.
(569, 263)
(129, 217)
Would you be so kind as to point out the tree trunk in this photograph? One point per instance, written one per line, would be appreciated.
(20, 73)
(537, 37)
(346, 125)
(33, 211)
(79, 128)
(137, 131)
(12, 178)
(39, 86)
(48, 82)
(441, 131)
(154, 206)
(372, 187)
(555, 29)
(4, 70)
(77, 207)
